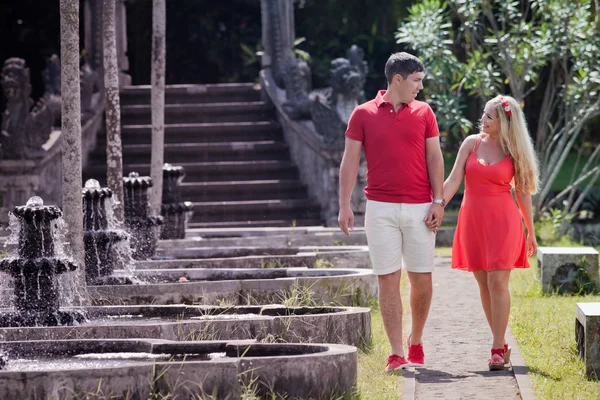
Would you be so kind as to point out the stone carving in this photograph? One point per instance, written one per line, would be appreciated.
(144, 229)
(356, 56)
(52, 87)
(331, 108)
(88, 80)
(176, 213)
(101, 237)
(36, 267)
(26, 125)
(290, 73)
(297, 82)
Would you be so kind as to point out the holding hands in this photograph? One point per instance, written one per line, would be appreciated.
(434, 217)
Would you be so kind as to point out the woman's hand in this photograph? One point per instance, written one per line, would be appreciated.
(531, 245)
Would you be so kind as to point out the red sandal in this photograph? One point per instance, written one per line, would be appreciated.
(496, 361)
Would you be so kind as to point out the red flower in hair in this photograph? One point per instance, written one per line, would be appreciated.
(505, 106)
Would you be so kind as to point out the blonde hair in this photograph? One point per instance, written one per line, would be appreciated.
(516, 141)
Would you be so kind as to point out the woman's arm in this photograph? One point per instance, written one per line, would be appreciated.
(453, 182)
(525, 205)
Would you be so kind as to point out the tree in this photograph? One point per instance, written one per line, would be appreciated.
(158, 104)
(71, 141)
(114, 151)
(543, 52)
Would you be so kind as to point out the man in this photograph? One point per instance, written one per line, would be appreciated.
(404, 168)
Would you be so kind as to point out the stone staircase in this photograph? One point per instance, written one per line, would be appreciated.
(238, 168)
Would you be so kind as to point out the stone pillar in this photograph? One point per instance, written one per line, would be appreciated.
(93, 33)
(278, 32)
(71, 136)
(121, 29)
(114, 152)
(157, 93)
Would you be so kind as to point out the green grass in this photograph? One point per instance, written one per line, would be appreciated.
(544, 327)
(373, 383)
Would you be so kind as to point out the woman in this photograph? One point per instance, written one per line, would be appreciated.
(489, 239)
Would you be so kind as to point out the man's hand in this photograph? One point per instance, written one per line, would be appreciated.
(346, 220)
(434, 217)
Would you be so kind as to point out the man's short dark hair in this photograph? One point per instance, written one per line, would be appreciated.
(403, 64)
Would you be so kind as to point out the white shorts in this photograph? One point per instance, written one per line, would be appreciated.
(396, 232)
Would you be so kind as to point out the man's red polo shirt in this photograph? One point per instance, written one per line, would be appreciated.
(394, 144)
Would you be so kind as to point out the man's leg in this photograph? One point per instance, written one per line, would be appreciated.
(390, 305)
(385, 249)
(421, 290)
(418, 253)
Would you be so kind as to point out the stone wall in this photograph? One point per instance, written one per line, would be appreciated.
(319, 168)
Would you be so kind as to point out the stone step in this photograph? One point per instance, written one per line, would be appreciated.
(210, 171)
(200, 113)
(185, 94)
(255, 210)
(243, 190)
(201, 133)
(177, 153)
(263, 223)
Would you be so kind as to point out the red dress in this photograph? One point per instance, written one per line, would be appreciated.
(489, 232)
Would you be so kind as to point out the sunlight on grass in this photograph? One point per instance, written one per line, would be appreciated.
(443, 251)
(373, 383)
(544, 326)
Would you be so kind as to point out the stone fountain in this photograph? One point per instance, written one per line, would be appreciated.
(34, 271)
(144, 229)
(176, 212)
(101, 238)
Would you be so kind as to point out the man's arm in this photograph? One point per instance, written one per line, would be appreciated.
(348, 173)
(435, 169)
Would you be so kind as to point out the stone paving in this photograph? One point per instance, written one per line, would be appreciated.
(457, 344)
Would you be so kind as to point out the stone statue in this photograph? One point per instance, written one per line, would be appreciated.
(331, 108)
(52, 88)
(88, 79)
(25, 125)
(290, 72)
(356, 56)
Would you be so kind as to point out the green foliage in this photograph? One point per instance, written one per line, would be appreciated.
(429, 30)
(552, 229)
(544, 53)
(331, 27)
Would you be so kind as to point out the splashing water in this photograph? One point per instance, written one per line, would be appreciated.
(34, 201)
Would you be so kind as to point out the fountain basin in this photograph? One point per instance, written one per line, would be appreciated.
(338, 257)
(141, 368)
(242, 287)
(268, 237)
(344, 325)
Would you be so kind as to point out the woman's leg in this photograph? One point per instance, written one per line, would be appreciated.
(484, 293)
(500, 305)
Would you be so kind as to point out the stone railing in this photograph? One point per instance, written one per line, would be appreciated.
(318, 160)
(30, 152)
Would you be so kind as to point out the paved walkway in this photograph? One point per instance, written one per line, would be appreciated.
(457, 344)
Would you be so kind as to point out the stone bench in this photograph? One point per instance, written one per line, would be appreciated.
(587, 334)
(559, 267)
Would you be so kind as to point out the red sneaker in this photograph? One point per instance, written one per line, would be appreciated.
(416, 355)
(395, 363)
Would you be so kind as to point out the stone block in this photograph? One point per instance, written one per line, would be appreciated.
(587, 334)
(562, 268)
